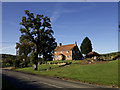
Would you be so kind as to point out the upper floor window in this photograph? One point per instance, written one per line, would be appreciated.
(55, 52)
(61, 51)
(67, 51)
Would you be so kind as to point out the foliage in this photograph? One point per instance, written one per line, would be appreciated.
(110, 56)
(7, 60)
(24, 48)
(32, 58)
(16, 63)
(86, 46)
(38, 30)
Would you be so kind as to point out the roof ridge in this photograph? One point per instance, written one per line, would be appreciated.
(67, 45)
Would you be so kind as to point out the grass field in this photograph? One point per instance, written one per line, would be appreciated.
(103, 74)
(73, 61)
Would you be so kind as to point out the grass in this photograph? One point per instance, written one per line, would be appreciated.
(73, 61)
(103, 74)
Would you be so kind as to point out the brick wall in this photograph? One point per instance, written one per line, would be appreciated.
(58, 54)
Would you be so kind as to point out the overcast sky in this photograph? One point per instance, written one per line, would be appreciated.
(70, 21)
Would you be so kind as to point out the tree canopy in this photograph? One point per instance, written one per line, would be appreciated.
(86, 46)
(38, 30)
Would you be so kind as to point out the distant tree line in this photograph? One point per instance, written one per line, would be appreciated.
(8, 60)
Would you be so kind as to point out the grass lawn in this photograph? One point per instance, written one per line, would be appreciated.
(73, 61)
(103, 74)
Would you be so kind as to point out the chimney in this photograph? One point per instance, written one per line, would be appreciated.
(60, 44)
(75, 43)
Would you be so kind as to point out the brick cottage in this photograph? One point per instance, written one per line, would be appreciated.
(67, 52)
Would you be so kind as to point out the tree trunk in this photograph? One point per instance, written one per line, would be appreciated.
(36, 66)
(25, 60)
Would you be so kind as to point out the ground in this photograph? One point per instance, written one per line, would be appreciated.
(103, 73)
(20, 81)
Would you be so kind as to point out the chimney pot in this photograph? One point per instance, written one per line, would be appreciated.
(75, 43)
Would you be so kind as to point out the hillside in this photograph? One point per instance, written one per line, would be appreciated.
(113, 53)
(7, 56)
(111, 56)
(7, 59)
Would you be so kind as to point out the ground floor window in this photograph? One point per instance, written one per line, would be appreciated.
(55, 56)
(68, 56)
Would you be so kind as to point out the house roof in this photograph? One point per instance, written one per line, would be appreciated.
(64, 47)
(93, 53)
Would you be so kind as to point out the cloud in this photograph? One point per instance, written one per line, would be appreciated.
(60, 9)
(58, 12)
(55, 16)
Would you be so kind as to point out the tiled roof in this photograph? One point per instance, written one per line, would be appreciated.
(64, 47)
(92, 53)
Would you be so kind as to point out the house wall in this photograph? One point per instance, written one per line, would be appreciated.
(57, 54)
(74, 54)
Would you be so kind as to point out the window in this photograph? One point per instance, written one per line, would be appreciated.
(68, 56)
(61, 51)
(60, 56)
(55, 56)
(67, 51)
(55, 52)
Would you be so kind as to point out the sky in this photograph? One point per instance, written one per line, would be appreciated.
(71, 21)
(60, 0)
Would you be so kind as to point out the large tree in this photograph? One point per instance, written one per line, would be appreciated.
(86, 46)
(38, 30)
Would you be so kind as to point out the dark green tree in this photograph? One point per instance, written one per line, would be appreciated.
(38, 30)
(86, 46)
(24, 48)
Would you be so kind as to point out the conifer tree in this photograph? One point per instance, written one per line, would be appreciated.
(86, 46)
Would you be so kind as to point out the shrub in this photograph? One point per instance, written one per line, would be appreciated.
(7, 64)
